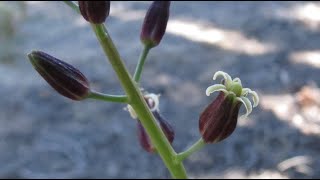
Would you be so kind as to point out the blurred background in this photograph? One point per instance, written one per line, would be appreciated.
(274, 47)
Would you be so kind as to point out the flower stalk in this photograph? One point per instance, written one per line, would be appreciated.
(108, 97)
(194, 148)
(136, 100)
(142, 59)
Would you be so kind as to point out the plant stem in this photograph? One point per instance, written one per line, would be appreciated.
(142, 59)
(195, 147)
(108, 97)
(73, 5)
(136, 100)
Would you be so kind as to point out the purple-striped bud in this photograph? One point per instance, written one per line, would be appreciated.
(155, 23)
(219, 119)
(144, 139)
(64, 78)
(164, 125)
(94, 12)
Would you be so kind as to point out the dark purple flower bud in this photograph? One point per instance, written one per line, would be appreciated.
(144, 138)
(164, 125)
(155, 23)
(63, 77)
(219, 119)
(94, 12)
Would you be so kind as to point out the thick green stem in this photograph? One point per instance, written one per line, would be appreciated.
(195, 147)
(108, 97)
(142, 59)
(138, 103)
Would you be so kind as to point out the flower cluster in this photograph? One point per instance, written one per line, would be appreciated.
(217, 121)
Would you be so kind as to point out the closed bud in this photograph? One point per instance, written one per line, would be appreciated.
(155, 23)
(144, 139)
(165, 126)
(219, 119)
(94, 12)
(64, 78)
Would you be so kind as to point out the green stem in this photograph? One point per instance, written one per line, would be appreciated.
(73, 5)
(136, 100)
(142, 59)
(195, 147)
(108, 97)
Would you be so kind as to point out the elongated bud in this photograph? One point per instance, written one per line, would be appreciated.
(144, 138)
(155, 23)
(219, 119)
(64, 78)
(165, 126)
(94, 12)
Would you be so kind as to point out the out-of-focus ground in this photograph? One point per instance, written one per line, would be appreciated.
(274, 47)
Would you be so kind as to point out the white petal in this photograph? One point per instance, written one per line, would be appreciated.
(255, 98)
(214, 88)
(245, 91)
(155, 99)
(226, 77)
(247, 105)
